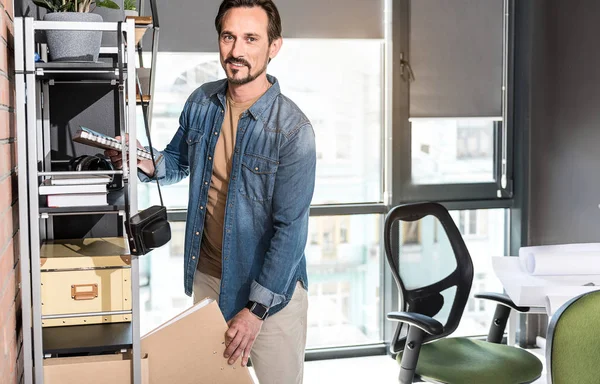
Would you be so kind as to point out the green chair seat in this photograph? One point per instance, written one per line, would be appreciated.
(466, 361)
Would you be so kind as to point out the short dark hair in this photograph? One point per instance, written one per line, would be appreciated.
(274, 27)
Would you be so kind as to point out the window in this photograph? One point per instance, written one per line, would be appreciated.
(314, 238)
(473, 223)
(345, 106)
(471, 305)
(177, 76)
(474, 142)
(344, 303)
(452, 125)
(411, 232)
(449, 151)
(163, 297)
(482, 305)
(348, 125)
(344, 232)
(177, 243)
(478, 314)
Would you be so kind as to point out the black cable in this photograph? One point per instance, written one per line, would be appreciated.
(146, 125)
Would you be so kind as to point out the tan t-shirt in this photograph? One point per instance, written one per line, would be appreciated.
(212, 237)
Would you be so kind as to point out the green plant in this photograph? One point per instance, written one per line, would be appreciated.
(129, 5)
(74, 5)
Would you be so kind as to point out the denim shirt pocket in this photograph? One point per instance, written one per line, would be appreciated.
(193, 139)
(193, 136)
(258, 177)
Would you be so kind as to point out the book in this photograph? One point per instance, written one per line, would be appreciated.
(99, 140)
(77, 200)
(47, 188)
(79, 179)
(188, 349)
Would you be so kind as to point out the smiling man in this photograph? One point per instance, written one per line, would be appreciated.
(250, 154)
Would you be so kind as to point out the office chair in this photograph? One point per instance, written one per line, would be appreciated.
(434, 272)
(573, 340)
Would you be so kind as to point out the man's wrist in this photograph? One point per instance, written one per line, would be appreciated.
(147, 167)
(257, 309)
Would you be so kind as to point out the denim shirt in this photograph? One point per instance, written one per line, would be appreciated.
(270, 188)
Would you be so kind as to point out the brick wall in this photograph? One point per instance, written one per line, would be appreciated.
(11, 363)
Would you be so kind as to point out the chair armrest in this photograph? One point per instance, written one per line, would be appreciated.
(501, 299)
(426, 323)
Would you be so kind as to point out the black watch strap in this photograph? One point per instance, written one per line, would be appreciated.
(258, 309)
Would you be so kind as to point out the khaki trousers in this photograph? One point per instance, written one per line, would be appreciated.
(278, 352)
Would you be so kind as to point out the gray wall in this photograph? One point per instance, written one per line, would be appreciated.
(564, 164)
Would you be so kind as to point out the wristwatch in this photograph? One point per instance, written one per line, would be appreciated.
(258, 309)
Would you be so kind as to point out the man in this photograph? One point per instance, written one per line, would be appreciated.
(250, 154)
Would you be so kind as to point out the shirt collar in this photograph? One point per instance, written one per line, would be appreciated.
(260, 105)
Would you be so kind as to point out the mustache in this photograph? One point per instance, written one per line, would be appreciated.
(233, 60)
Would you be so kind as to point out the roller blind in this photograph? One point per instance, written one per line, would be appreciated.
(456, 56)
(189, 25)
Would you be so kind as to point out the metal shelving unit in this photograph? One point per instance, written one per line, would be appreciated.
(34, 164)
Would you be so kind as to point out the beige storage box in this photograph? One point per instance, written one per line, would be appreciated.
(102, 369)
(82, 278)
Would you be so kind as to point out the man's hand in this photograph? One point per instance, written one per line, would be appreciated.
(239, 338)
(144, 165)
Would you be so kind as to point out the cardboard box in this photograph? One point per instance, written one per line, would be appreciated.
(85, 276)
(188, 349)
(101, 369)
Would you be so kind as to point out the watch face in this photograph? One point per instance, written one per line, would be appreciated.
(259, 310)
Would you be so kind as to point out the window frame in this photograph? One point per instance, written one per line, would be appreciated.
(404, 190)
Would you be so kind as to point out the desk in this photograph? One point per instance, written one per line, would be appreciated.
(545, 294)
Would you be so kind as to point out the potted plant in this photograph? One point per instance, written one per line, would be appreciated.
(74, 45)
(130, 8)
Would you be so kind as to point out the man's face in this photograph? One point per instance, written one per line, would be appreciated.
(244, 44)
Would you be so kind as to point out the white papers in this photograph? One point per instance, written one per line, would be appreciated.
(562, 259)
(79, 179)
(47, 188)
(77, 200)
(583, 263)
(531, 291)
(562, 248)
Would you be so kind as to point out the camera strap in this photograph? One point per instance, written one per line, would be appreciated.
(146, 125)
(125, 147)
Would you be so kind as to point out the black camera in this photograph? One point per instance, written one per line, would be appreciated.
(148, 229)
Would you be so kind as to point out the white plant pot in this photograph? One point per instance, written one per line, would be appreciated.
(131, 13)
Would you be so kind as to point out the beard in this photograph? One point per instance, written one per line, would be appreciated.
(251, 76)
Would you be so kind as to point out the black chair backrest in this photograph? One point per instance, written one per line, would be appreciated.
(429, 298)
